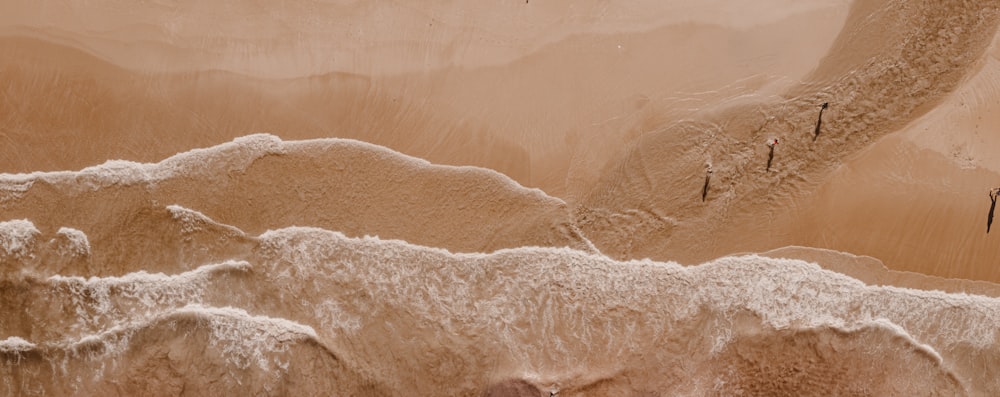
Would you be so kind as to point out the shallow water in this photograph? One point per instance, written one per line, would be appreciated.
(504, 202)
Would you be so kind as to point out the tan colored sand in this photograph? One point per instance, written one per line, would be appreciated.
(260, 183)
(391, 318)
(552, 114)
(918, 199)
(907, 206)
(873, 272)
(612, 110)
(649, 204)
(307, 37)
(818, 362)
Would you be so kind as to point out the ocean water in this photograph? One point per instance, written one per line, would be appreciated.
(572, 245)
(309, 310)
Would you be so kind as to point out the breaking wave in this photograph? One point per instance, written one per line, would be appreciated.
(337, 267)
(400, 319)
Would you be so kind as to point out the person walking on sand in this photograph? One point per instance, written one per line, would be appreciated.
(993, 205)
(771, 143)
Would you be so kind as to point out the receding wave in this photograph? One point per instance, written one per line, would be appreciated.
(192, 350)
(400, 319)
(660, 260)
(125, 208)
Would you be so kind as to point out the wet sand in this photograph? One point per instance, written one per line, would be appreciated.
(499, 199)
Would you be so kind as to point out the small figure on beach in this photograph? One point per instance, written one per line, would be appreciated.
(771, 143)
(819, 121)
(993, 205)
(708, 177)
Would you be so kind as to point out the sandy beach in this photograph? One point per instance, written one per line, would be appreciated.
(510, 199)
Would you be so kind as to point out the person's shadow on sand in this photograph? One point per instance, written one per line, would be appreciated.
(708, 178)
(771, 143)
(993, 205)
(819, 120)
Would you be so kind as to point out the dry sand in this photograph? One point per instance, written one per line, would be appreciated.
(504, 199)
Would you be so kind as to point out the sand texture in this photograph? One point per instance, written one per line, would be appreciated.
(438, 198)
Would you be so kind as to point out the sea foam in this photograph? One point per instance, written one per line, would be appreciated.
(17, 237)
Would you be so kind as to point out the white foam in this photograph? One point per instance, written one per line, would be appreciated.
(14, 190)
(899, 331)
(119, 172)
(113, 341)
(142, 277)
(16, 345)
(245, 339)
(233, 156)
(248, 339)
(276, 328)
(503, 288)
(78, 242)
(284, 237)
(98, 299)
(789, 293)
(193, 221)
(17, 237)
(419, 163)
(227, 158)
(331, 314)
